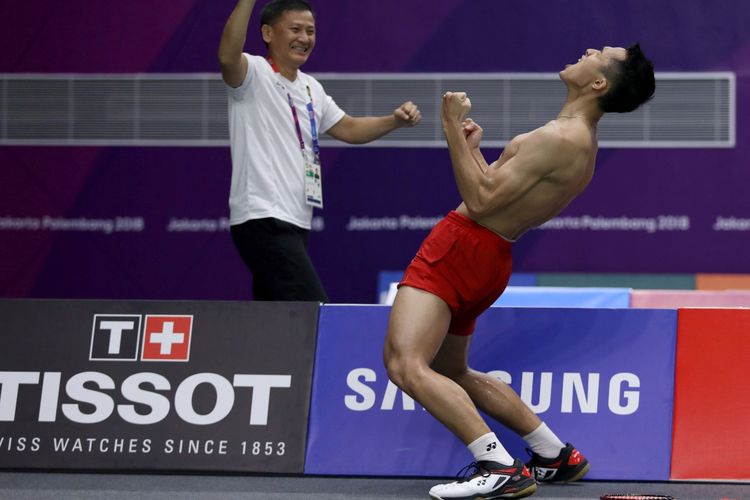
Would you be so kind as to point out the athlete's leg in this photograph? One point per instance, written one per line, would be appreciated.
(418, 326)
(491, 395)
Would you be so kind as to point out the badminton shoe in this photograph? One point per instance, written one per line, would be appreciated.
(487, 480)
(567, 467)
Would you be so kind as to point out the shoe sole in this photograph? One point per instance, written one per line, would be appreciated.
(573, 479)
(529, 490)
(578, 476)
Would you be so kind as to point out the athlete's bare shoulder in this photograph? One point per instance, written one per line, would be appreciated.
(547, 150)
(573, 136)
(560, 151)
(549, 140)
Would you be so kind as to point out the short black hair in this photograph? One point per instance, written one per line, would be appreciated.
(274, 9)
(631, 82)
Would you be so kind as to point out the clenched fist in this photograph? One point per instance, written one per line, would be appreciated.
(455, 106)
(407, 115)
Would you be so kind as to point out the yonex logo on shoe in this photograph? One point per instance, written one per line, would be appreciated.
(544, 474)
(501, 480)
(491, 446)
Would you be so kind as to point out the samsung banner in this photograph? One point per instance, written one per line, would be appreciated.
(155, 385)
(601, 378)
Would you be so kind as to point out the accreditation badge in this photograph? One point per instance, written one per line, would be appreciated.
(313, 180)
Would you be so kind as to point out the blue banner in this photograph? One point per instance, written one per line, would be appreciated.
(601, 379)
(558, 296)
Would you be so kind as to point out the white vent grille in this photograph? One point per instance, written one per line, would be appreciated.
(689, 109)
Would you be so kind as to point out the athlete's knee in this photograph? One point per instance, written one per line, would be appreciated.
(395, 366)
(407, 373)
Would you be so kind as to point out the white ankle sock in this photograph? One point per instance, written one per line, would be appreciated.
(544, 442)
(488, 447)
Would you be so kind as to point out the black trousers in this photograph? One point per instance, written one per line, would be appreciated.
(276, 254)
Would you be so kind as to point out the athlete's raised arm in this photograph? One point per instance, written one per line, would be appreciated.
(488, 188)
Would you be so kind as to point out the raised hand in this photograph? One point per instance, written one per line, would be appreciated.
(407, 115)
(472, 132)
(455, 107)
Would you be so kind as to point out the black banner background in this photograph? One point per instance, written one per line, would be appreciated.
(228, 339)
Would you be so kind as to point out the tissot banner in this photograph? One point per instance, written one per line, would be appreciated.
(155, 385)
(601, 379)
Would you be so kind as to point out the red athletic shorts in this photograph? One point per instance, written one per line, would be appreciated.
(463, 263)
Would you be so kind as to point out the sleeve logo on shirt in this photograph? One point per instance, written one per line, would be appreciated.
(117, 337)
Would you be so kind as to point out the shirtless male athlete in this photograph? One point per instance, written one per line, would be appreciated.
(464, 264)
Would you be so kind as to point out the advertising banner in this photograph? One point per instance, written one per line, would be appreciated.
(674, 299)
(553, 296)
(155, 385)
(601, 379)
(711, 407)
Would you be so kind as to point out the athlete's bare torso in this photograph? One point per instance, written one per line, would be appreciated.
(567, 148)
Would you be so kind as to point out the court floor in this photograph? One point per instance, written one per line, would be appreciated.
(90, 486)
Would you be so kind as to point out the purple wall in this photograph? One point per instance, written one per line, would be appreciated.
(158, 184)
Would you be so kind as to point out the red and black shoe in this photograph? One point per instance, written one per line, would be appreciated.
(488, 481)
(567, 467)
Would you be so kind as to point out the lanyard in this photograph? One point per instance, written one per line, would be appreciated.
(312, 171)
(295, 117)
(313, 126)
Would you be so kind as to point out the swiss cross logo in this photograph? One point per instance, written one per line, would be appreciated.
(167, 338)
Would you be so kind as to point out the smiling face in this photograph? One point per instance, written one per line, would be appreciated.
(291, 38)
(591, 66)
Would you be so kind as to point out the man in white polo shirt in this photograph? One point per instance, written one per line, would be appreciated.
(276, 115)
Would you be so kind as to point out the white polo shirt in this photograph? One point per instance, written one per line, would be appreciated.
(267, 168)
